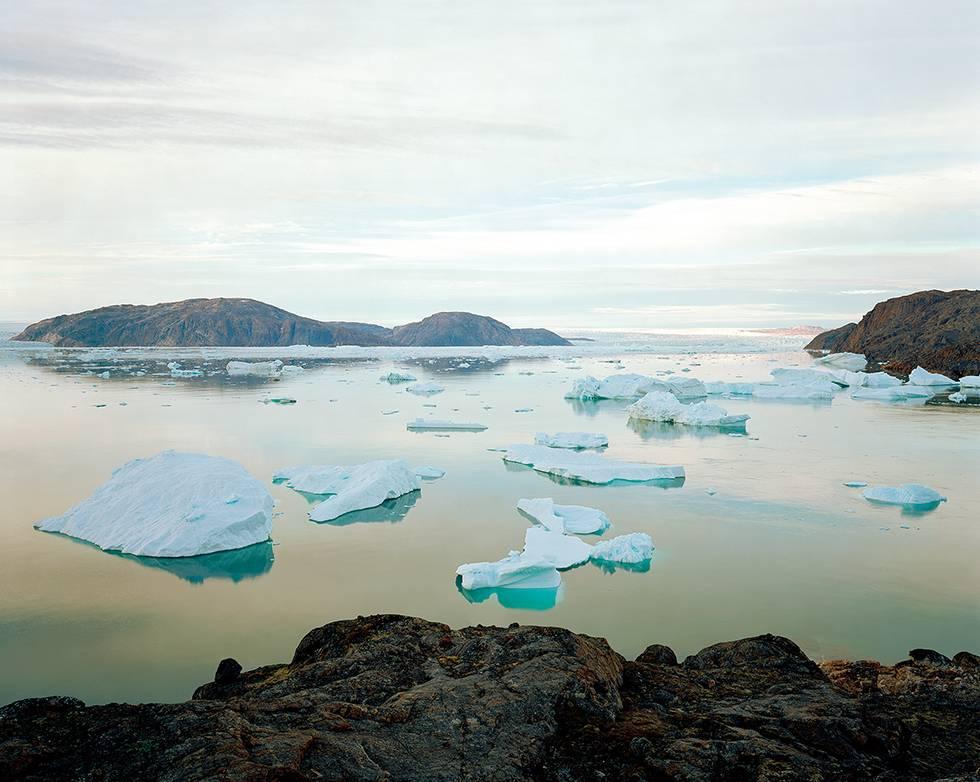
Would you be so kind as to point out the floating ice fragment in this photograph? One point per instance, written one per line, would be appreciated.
(144, 508)
(907, 494)
(627, 549)
(811, 391)
(856, 484)
(894, 393)
(104, 375)
(573, 519)
(434, 424)
(665, 407)
(255, 369)
(957, 397)
(588, 467)
(631, 386)
(354, 487)
(398, 377)
(278, 400)
(515, 571)
(921, 377)
(970, 381)
(425, 389)
(574, 440)
(429, 473)
(854, 362)
(730, 389)
(555, 548)
(881, 380)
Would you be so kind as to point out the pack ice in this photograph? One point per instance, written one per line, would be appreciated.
(588, 467)
(632, 386)
(255, 369)
(572, 440)
(907, 494)
(353, 487)
(575, 519)
(172, 505)
(921, 377)
(435, 424)
(665, 407)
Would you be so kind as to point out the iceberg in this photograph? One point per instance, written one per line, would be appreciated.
(907, 494)
(626, 549)
(632, 386)
(255, 369)
(434, 424)
(172, 505)
(291, 369)
(970, 381)
(793, 376)
(921, 377)
(555, 548)
(427, 473)
(665, 407)
(185, 373)
(573, 519)
(729, 389)
(425, 389)
(514, 571)
(957, 397)
(354, 487)
(573, 440)
(894, 393)
(854, 362)
(398, 377)
(880, 380)
(588, 467)
(812, 391)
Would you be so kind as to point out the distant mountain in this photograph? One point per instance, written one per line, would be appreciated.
(938, 330)
(250, 323)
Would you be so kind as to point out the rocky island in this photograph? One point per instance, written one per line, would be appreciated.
(398, 698)
(251, 323)
(937, 330)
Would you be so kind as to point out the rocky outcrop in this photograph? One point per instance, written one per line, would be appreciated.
(398, 698)
(937, 330)
(250, 323)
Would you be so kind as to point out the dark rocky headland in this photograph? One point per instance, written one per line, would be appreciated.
(937, 330)
(398, 698)
(250, 323)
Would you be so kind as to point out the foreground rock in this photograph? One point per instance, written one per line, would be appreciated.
(398, 698)
(937, 330)
(246, 322)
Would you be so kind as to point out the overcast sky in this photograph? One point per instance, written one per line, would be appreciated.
(563, 163)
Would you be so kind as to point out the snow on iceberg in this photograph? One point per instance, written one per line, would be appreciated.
(665, 407)
(907, 494)
(425, 389)
(255, 369)
(629, 549)
(171, 505)
(588, 467)
(514, 571)
(854, 362)
(435, 424)
(354, 487)
(573, 519)
(398, 377)
(921, 377)
(573, 440)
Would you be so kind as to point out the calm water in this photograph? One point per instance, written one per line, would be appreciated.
(782, 546)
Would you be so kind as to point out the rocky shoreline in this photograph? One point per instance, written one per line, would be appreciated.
(399, 698)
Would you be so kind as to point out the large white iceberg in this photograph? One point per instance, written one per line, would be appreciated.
(573, 440)
(970, 381)
(854, 362)
(256, 369)
(354, 487)
(514, 571)
(588, 467)
(665, 407)
(425, 389)
(573, 519)
(435, 424)
(632, 386)
(172, 505)
(921, 377)
(629, 549)
(908, 494)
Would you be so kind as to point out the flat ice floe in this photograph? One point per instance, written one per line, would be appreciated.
(172, 505)
(572, 440)
(729, 389)
(853, 362)
(920, 377)
(588, 467)
(435, 425)
(398, 377)
(515, 571)
(573, 519)
(895, 393)
(665, 407)
(353, 487)
(632, 386)
(428, 473)
(823, 390)
(907, 494)
(425, 389)
(629, 549)
(255, 369)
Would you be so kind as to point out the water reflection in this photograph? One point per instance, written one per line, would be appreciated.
(592, 408)
(660, 430)
(520, 599)
(629, 567)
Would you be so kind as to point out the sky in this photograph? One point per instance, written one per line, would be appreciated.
(557, 163)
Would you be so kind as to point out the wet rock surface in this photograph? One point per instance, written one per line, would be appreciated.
(399, 698)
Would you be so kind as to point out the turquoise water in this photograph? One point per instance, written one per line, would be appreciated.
(782, 546)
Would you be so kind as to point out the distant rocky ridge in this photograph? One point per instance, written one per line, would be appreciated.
(937, 330)
(397, 698)
(250, 323)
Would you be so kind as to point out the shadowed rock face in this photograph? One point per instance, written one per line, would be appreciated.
(250, 323)
(937, 330)
(398, 698)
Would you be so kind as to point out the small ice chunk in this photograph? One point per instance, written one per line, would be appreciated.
(278, 400)
(574, 440)
(907, 494)
(429, 473)
(957, 397)
(254, 369)
(354, 487)
(627, 549)
(185, 373)
(398, 377)
(290, 369)
(104, 375)
(665, 407)
(435, 424)
(970, 381)
(856, 484)
(588, 467)
(425, 389)
(572, 519)
(515, 571)
(145, 507)
(854, 362)
(921, 377)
